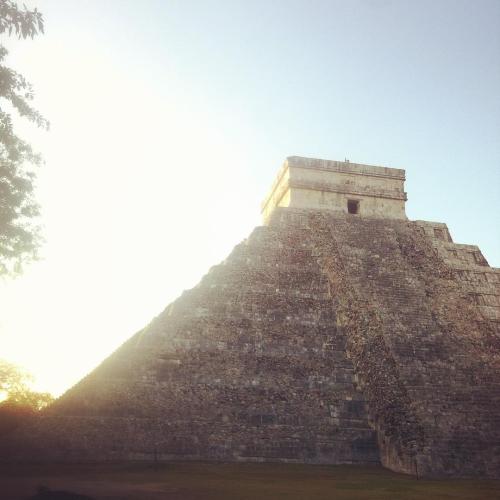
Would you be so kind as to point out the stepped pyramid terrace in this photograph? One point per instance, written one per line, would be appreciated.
(339, 332)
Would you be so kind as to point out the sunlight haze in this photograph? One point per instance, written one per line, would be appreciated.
(170, 119)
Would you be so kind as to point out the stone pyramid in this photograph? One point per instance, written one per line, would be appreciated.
(339, 332)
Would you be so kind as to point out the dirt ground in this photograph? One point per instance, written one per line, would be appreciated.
(209, 481)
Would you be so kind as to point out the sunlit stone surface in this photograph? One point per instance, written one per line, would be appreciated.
(340, 186)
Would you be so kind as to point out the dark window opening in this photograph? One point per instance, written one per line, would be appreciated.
(353, 206)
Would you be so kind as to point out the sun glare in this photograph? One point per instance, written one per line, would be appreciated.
(136, 201)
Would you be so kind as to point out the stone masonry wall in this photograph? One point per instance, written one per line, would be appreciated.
(311, 183)
(322, 338)
(249, 365)
(425, 354)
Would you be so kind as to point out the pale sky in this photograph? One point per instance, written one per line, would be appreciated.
(170, 119)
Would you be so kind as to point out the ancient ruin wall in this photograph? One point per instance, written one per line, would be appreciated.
(249, 365)
(319, 337)
(311, 183)
(424, 346)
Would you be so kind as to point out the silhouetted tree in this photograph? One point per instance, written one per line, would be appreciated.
(20, 402)
(19, 234)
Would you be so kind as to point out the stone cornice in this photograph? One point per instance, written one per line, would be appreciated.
(293, 162)
(346, 189)
(346, 167)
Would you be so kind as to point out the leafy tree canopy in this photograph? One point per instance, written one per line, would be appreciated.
(19, 234)
(14, 387)
(18, 402)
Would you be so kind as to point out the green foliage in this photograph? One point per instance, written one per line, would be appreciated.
(14, 386)
(19, 403)
(12, 378)
(23, 22)
(19, 234)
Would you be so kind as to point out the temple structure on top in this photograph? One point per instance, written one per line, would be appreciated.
(337, 185)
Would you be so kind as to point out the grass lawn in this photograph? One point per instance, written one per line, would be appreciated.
(209, 481)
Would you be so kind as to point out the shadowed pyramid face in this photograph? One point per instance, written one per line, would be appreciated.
(322, 338)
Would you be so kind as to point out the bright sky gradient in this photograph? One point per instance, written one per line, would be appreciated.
(170, 120)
